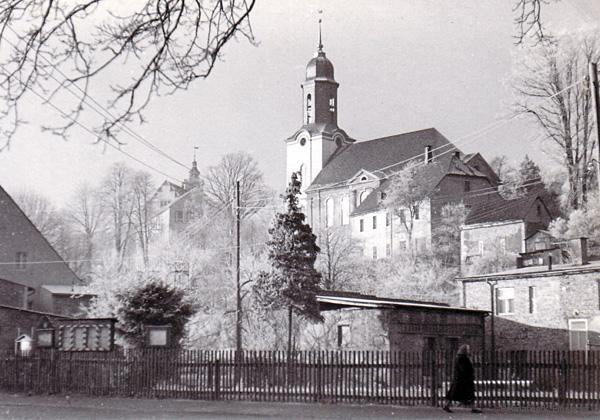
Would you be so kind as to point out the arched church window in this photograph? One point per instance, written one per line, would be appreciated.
(363, 195)
(332, 105)
(308, 107)
(345, 210)
(329, 215)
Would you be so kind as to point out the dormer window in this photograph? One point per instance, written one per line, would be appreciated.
(428, 154)
(332, 105)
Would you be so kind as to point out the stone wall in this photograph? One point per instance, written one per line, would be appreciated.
(557, 299)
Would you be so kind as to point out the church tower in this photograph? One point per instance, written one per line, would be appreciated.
(309, 149)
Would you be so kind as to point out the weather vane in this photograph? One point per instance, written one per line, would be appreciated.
(320, 11)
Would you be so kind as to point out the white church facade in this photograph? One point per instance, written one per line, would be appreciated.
(345, 180)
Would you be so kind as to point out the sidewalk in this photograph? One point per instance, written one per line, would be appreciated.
(59, 407)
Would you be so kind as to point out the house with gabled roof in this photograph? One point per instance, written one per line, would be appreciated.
(504, 226)
(344, 180)
(29, 265)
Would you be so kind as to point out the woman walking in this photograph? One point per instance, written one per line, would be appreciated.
(462, 388)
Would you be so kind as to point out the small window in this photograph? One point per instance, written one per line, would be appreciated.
(374, 252)
(308, 108)
(505, 300)
(416, 212)
(332, 104)
(388, 219)
(467, 186)
(374, 222)
(179, 216)
(532, 300)
(343, 335)
(361, 223)
(21, 260)
(428, 154)
(578, 334)
(388, 250)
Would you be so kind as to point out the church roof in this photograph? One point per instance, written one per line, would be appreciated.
(431, 175)
(384, 152)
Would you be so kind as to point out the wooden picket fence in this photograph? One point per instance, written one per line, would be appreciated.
(545, 379)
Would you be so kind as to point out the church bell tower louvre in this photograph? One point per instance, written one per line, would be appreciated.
(319, 137)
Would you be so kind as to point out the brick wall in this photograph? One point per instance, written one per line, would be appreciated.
(14, 321)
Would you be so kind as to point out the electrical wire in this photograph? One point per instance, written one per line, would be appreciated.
(104, 112)
(108, 143)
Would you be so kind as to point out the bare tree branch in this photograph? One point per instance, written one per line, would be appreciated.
(145, 49)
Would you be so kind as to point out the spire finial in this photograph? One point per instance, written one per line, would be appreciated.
(195, 148)
(320, 41)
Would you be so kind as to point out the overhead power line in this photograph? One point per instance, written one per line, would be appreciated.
(108, 143)
(102, 111)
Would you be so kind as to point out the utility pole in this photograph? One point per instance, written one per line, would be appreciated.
(594, 89)
(238, 321)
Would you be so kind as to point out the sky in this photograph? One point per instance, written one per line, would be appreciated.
(402, 65)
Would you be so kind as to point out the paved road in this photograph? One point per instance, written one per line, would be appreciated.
(54, 407)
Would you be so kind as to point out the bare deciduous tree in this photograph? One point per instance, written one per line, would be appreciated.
(117, 196)
(551, 87)
(59, 47)
(528, 19)
(41, 212)
(86, 214)
(142, 190)
(410, 188)
(220, 185)
(336, 259)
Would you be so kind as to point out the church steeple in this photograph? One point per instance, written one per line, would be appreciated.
(194, 174)
(319, 90)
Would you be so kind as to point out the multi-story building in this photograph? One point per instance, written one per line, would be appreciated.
(344, 181)
(504, 227)
(174, 206)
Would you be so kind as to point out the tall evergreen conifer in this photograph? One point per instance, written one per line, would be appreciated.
(293, 281)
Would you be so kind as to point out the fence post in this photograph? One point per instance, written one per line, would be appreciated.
(434, 385)
(319, 389)
(217, 379)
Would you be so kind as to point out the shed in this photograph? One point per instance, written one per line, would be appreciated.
(406, 325)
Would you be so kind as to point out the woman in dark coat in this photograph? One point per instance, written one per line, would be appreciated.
(462, 388)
